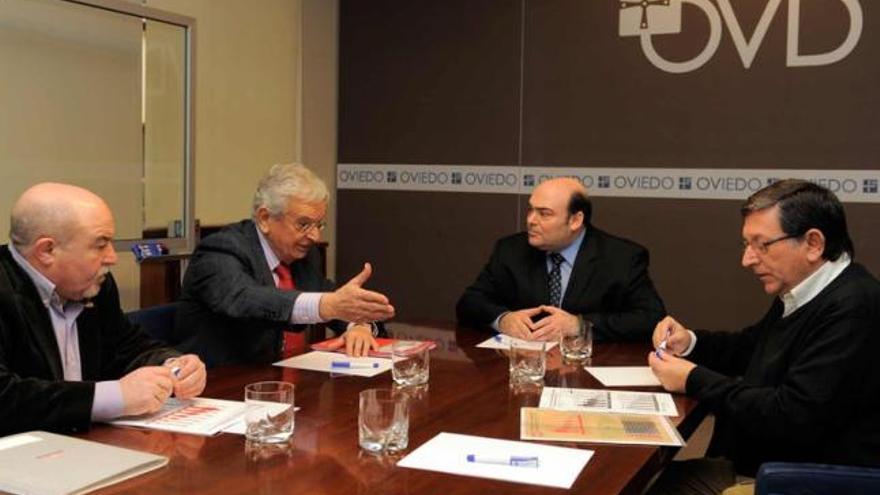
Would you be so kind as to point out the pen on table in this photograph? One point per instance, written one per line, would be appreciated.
(513, 460)
(353, 366)
(497, 337)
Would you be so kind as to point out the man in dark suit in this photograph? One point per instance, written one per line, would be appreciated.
(566, 270)
(68, 355)
(252, 285)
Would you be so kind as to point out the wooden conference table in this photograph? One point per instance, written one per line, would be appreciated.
(468, 393)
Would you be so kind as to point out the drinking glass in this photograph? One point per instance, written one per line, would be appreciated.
(577, 346)
(269, 417)
(383, 421)
(410, 362)
(528, 361)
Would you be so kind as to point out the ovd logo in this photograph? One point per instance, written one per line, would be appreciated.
(646, 18)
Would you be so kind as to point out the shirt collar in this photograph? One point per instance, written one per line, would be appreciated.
(271, 258)
(811, 286)
(569, 253)
(45, 287)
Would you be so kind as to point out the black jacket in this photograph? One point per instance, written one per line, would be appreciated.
(609, 286)
(805, 388)
(33, 393)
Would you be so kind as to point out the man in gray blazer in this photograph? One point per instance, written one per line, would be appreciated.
(249, 286)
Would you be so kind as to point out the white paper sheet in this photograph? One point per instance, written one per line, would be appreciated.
(617, 401)
(447, 453)
(624, 376)
(199, 416)
(321, 361)
(502, 341)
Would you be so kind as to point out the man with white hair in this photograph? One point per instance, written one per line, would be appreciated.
(68, 355)
(255, 283)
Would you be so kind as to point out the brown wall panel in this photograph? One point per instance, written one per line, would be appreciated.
(425, 247)
(592, 98)
(429, 81)
(438, 82)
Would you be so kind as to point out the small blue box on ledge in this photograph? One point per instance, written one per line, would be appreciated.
(148, 250)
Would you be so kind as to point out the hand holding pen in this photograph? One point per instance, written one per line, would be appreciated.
(189, 375)
(670, 336)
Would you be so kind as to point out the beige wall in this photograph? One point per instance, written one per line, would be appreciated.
(256, 62)
(246, 105)
(320, 27)
(265, 93)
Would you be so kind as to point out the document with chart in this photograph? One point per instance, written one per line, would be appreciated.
(199, 416)
(584, 426)
(618, 401)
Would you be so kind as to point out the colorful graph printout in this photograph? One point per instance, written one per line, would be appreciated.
(597, 427)
(199, 416)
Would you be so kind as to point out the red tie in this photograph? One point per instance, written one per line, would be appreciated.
(293, 342)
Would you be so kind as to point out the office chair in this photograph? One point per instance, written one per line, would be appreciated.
(156, 321)
(793, 478)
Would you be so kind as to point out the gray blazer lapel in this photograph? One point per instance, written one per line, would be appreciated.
(255, 251)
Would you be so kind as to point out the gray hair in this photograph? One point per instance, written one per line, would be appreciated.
(31, 222)
(284, 182)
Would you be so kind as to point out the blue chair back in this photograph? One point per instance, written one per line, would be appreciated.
(156, 321)
(793, 478)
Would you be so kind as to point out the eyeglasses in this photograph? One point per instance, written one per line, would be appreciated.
(762, 247)
(304, 226)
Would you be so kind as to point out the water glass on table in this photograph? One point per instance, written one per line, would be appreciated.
(578, 345)
(383, 421)
(528, 361)
(269, 417)
(410, 363)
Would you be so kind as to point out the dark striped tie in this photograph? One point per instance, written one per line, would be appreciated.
(556, 280)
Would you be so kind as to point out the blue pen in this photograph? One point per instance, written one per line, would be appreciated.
(353, 366)
(497, 337)
(514, 460)
(664, 343)
(176, 371)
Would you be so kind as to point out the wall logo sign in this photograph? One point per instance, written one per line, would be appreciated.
(648, 18)
(859, 186)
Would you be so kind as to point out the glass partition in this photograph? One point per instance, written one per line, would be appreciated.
(98, 93)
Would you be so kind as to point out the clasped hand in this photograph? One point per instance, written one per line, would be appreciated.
(554, 324)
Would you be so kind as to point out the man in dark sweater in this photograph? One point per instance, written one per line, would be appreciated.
(801, 384)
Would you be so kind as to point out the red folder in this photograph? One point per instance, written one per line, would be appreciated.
(384, 346)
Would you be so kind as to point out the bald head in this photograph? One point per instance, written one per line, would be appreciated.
(51, 210)
(66, 233)
(558, 212)
(563, 187)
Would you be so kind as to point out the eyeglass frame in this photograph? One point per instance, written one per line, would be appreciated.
(304, 227)
(764, 246)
